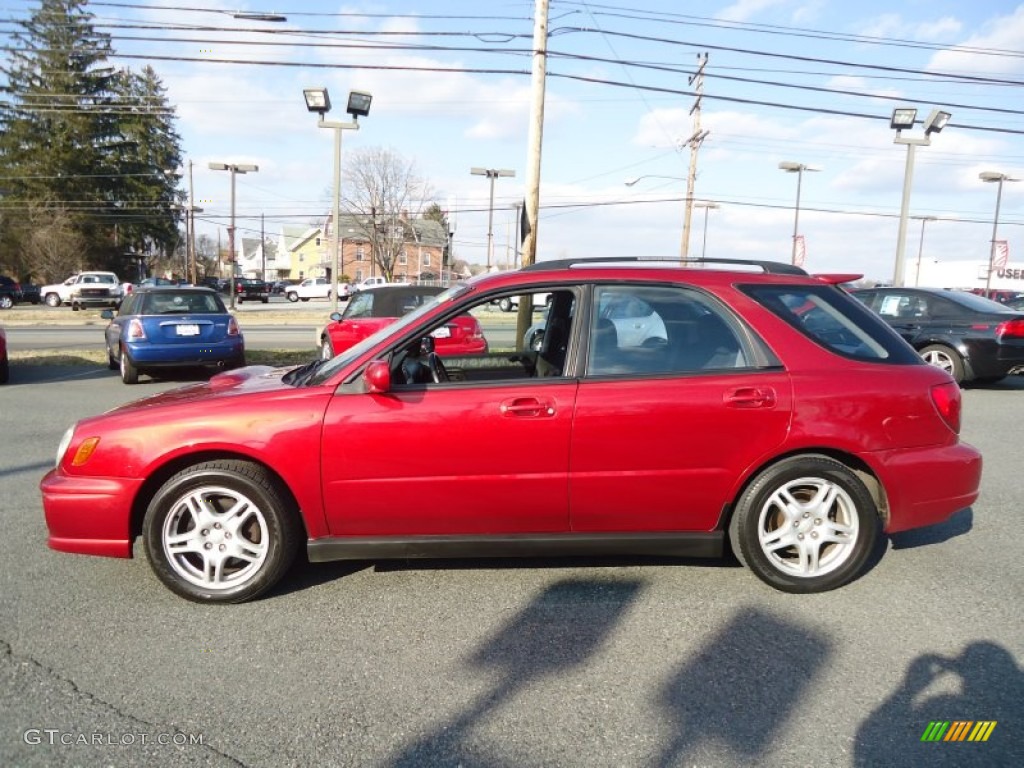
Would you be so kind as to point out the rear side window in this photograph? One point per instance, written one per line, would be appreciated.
(834, 320)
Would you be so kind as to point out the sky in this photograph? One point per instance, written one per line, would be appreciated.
(812, 82)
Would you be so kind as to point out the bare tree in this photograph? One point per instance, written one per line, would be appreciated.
(383, 190)
(55, 246)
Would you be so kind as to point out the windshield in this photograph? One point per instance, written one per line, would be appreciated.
(394, 329)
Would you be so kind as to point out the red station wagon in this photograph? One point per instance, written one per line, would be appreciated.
(374, 308)
(779, 417)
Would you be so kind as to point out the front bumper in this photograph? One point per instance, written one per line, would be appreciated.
(89, 515)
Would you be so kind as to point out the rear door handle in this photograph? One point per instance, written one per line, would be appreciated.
(751, 397)
(528, 407)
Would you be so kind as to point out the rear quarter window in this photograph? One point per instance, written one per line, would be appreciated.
(835, 321)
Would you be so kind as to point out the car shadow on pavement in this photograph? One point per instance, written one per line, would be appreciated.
(957, 525)
(962, 710)
(47, 374)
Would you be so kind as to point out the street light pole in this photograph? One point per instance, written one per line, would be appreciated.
(921, 246)
(798, 169)
(234, 169)
(999, 178)
(903, 118)
(492, 174)
(319, 101)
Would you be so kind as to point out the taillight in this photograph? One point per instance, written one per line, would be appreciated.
(135, 330)
(1010, 329)
(232, 327)
(947, 402)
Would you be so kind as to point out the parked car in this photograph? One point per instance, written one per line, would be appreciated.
(974, 339)
(509, 303)
(10, 292)
(86, 289)
(31, 293)
(781, 417)
(172, 327)
(636, 323)
(375, 308)
(251, 289)
(369, 282)
(315, 288)
(5, 367)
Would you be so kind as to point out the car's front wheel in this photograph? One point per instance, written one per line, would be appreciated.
(221, 532)
(52, 300)
(505, 305)
(806, 524)
(293, 296)
(6, 302)
(945, 358)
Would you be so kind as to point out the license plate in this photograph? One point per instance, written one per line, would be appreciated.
(187, 330)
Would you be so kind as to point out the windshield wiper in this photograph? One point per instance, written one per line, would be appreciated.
(302, 374)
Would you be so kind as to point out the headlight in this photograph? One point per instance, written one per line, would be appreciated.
(64, 443)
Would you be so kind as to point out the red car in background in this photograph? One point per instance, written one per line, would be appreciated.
(371, 309)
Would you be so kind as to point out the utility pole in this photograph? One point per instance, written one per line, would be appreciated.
(263, 251)
(531, 209)
(190, 247)
(695, 140)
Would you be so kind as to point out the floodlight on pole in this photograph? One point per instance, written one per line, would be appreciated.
(997, 178)
(233, 169)
(318, 100)
(903, 118)
(797, 168)
(492, 174)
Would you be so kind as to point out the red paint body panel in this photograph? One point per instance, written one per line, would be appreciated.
(449, 461)
(89, 515)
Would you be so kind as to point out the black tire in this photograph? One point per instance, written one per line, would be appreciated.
(326, 348)
(6, 302)
(781, 516)
(946, 358)
(5, 371)
(265, 299)
(74, 307)
(112, 362)
(293, 296)
(305, 298)
(253, 548)
(129, 373)
(52, 300)
(505, 305)
(238, 362)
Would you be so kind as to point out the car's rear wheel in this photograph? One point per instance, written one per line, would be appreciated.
(129, 373)
(293, 296)
(52, 300)
(112, 363)
(505, 305)
(326, 348)
(221, 532)
(806, 524)
(6, 302)
(945, 358)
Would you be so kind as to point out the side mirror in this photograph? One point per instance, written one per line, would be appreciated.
(336, 316)
(378, 377)
(107, 314)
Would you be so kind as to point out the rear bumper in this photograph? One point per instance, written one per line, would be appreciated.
(150, 355)
(928, 486)
(89, 515)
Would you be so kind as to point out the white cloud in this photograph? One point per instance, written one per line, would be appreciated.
(1004, 33)
(744, 10)
(894, 25)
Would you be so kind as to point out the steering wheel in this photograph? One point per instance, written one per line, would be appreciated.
(437, 370)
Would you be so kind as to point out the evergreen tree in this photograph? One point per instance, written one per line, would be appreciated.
(83, 140)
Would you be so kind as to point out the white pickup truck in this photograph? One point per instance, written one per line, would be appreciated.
(315, 288)
(86, 289)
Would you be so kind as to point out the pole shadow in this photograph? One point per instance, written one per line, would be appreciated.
(740, 689)
(558, 631)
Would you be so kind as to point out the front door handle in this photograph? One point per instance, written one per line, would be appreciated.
(751, 397)
(528, 407)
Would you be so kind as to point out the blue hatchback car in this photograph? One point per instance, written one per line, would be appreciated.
(165, 327)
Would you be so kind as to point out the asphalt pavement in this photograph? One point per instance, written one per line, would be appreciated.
(598, 662)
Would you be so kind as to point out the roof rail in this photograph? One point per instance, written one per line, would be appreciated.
(770, 267)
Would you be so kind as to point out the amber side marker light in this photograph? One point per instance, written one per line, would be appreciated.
(84, 451)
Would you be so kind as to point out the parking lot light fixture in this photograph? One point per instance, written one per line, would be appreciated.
(492, 174)
(991, 177)
(233, 169)
(798, 168)
(319, 100)
(903, 118)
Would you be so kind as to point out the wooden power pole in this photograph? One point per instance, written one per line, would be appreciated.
(695, 140)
